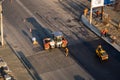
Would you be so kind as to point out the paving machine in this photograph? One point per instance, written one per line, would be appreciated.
(102, 54)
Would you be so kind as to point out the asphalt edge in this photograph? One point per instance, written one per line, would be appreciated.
(22, 61)
(91, 27)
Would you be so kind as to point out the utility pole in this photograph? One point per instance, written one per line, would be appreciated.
(91, 8)
(1, 22)
(11, 1)
(102, 11)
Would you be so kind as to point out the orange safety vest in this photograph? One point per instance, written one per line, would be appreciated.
(104, 31)
(98, 13)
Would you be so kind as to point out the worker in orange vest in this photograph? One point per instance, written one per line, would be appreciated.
(66, 51)
(104, 32)
(85, 11)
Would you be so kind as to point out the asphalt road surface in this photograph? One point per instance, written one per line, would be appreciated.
(44, 17)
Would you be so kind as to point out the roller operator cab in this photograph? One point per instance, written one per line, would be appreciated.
(59, 39)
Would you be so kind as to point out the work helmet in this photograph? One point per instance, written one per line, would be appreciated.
(99, 46)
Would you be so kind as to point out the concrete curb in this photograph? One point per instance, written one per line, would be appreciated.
(22, 62)
(97, 32)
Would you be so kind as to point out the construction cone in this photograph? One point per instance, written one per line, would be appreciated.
(30, 30)
(35, 42)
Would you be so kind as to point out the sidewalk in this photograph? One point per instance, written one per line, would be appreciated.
(96, 26)
(18, 70)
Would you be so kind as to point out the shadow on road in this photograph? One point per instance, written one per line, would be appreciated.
(25, 33)
(84, 54)
(74, 7)
(29, 66)
(77, 77)
(39, 32)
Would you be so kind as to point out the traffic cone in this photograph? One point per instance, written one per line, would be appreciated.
(30, 30)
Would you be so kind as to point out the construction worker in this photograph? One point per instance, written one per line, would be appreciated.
(85, 11)
(113, 39)
(104, 32)
(66, 51)
(98, 13)
(99, 48)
